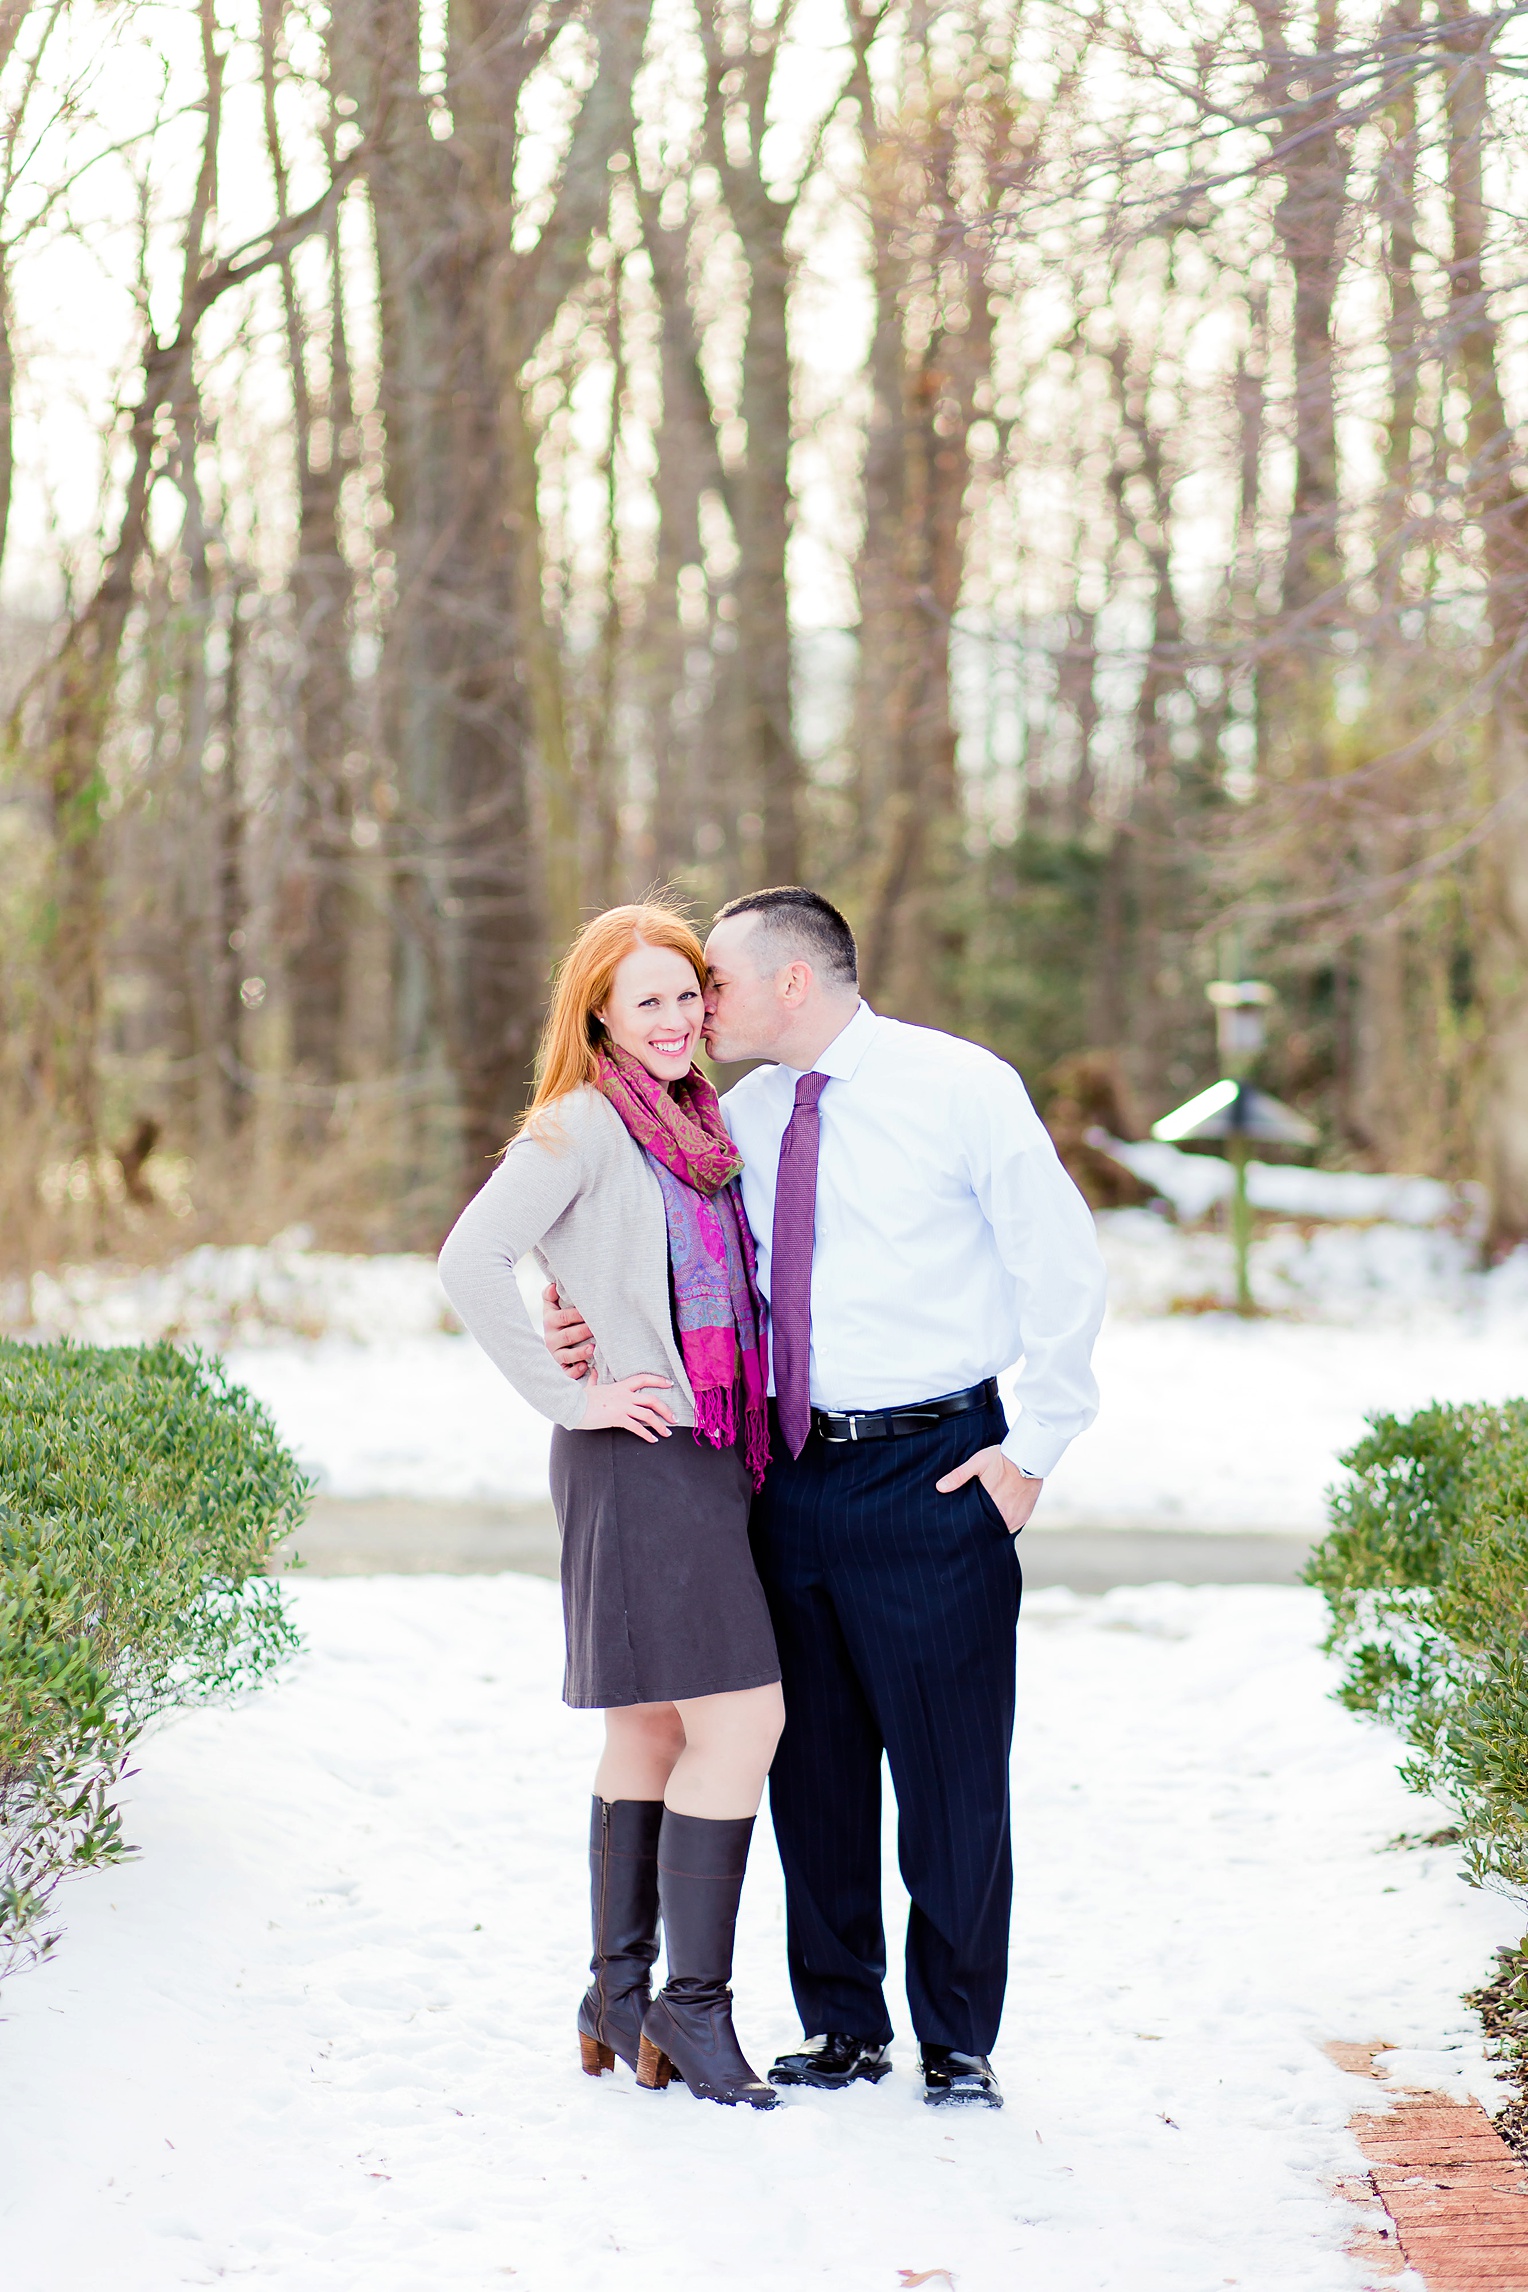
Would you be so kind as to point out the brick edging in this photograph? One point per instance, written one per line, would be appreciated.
(1455, 2195)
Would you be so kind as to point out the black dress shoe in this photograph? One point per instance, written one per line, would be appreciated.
(832, 2062)
(954, 2080)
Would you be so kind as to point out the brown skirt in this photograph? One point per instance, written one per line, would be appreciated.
(659, 1596)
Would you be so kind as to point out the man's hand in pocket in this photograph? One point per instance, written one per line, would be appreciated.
(569, 1339)
(1012, 1491)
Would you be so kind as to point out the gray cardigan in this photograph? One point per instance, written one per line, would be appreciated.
(579, 1193)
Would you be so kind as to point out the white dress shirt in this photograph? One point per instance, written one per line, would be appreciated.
(948, 1239)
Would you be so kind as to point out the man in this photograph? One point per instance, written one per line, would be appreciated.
(916, 1233)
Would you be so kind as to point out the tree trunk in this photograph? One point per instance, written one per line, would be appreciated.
(1160, 898)
(78, 694)
(230, 904)
(1388, 1103)
(693, 768)
(7, 405)
(13, 14)
(1313, 160)
(760, 705)
(1077, 694)
(927, 396)
(764, 515)
(880, 573)
(318, 897)
(1500, 511)
(474, 700)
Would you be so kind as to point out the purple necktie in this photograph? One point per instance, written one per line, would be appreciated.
(790, 1263)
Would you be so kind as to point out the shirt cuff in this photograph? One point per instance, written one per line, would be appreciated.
(1034, 1449)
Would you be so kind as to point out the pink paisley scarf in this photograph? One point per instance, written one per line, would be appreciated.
(717, 1306)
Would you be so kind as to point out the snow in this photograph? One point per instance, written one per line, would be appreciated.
(1218, 1424)
(1193, 1183)
(244, 1296)
(321, 2034)
(421, 1417)
(1208, 1422)
(1352, 1273)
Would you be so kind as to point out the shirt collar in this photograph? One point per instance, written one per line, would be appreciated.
(843, 1054)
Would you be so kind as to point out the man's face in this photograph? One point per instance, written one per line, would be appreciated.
(744, 1011)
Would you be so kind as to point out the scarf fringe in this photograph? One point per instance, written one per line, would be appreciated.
(716, 1414)
(756, 1445)
(716, 1422)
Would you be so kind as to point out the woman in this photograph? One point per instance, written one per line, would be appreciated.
(623, 1184)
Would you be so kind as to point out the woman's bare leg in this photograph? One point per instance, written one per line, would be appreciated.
(642, 1742)
(729, 1742)
(706, 1756)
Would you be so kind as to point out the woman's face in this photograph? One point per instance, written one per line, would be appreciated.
(655, 1010)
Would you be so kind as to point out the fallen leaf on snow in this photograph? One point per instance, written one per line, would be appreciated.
(912, 2276)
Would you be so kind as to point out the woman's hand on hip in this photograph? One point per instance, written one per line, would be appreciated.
(628, 1405)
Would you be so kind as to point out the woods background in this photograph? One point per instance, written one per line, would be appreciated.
(1049, 476)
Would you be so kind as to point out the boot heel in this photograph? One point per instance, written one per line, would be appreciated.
(654, 2069)
(595, 2057)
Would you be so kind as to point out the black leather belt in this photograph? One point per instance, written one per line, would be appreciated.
(892, 1424)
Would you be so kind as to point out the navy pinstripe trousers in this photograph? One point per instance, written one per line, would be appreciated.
(894, 1611)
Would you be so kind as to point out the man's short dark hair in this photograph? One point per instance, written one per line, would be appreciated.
(800, 925)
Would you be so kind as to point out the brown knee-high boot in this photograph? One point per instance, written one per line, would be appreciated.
(687, 2030)
(623, 1890)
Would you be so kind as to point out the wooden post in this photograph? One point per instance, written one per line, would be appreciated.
(1238, 1151)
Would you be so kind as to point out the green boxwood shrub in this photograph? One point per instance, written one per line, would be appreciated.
(1426, 1574)
(140, 1497)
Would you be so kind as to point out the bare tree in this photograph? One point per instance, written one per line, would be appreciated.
(743, 48)
(24, 99)
(1498, 508)
(319, 899)
(931, 361)
(473, 680)
(1152, 672)
(691, 725)
(67, 717)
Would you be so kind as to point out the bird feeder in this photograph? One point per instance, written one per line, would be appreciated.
(1231, 1111)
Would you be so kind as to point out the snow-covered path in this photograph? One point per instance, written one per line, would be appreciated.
(321, 2034)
